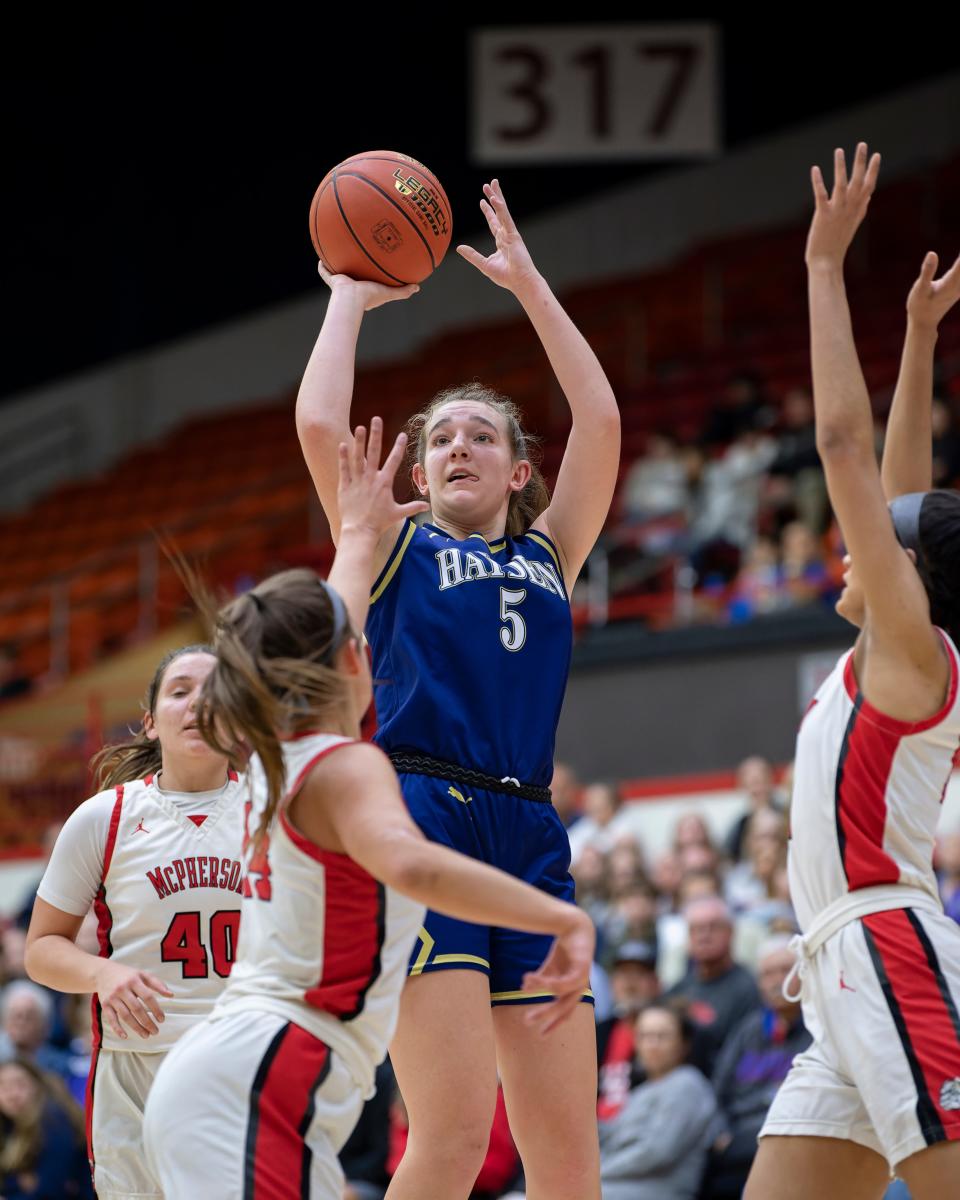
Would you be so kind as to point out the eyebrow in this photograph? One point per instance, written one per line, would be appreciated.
(448, 420)
(180, 679)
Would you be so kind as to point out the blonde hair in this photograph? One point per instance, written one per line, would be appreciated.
(275, 647)
(525, 505)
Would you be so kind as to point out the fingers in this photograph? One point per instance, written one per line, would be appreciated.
(820, 195)
(492, 219)
(950, 281)
(149, 1001)
(412, 508)
(873, 170)
(324, 271)
(395, 457)
(133, 1015)
(359, 455)
(546, 1017)
(839, 174)
(375, 443)
(343, 461)
(113, 1021)
(859, 164)
(473, 257)
(157, 984)
(494, 194)
(929, 266)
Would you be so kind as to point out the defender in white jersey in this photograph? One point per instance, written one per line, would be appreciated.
(879, 969)
(257, 1101)
(159, 859)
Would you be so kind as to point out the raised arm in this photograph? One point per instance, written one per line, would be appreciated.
(367, 508)
(588, 473)
(326, 391)
(899, 619)
(907, 458)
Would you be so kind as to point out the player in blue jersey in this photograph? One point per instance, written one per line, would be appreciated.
(471, 633)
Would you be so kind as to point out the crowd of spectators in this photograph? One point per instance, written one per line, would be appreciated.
(694, 1035)
(742, 502)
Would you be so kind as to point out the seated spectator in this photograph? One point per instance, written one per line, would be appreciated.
(27, 1018)
(632, 918)
(625, 866)
(804, 578)
(750, 884)
(718, 991)
(598, 827)
(752, 1065)
(755, 781)
(797, 463)
(365, 1152)
(565, 789)
(592, 887)
(634, 982)
(656, 1147)
(756, 589)
(672, 936)
(42, 1145)
(948, 862)
(690, 830)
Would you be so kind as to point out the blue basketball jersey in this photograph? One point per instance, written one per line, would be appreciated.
(471, 649)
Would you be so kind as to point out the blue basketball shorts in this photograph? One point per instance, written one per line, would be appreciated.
(524, 838)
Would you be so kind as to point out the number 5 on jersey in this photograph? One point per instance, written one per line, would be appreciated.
(514, 632)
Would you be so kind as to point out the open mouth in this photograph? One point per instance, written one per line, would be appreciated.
(461, 477)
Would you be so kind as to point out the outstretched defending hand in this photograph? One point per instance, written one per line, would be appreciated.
(565, 972)
(510, 266)
(365, 490)
(372, 295)
(837, 217)
(931, 299)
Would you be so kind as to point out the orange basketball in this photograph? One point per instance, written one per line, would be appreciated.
(381, 216)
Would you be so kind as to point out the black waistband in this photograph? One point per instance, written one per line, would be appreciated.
(422, 764)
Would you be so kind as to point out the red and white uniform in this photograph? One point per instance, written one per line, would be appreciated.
(880, 963)
(162, 871)
(289, 1053)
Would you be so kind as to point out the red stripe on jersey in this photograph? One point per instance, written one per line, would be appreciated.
(923, 1008)
(354, 922)
(892, 724)
(282, 1109)
(232, 776)
(198, 821)
(91, 1079)
(863, 772)
(102, 910)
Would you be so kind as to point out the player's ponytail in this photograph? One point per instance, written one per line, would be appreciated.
(526, 505)
(274, 674)
(938, 561)
(141, 755)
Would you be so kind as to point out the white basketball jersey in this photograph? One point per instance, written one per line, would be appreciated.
(867, 793)
(169, 902)
(324, 945)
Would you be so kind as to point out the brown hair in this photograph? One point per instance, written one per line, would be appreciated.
(23, 1135)
(526, 505)
(142, 755)
(275, 647)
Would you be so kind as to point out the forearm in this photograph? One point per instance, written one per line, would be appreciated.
(327, 385)
(577, 368)
(907, 451)
(841, 402)
(58, 963)
(351, 575)
(460, 887)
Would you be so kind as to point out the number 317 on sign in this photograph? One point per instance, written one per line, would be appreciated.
(549, 94)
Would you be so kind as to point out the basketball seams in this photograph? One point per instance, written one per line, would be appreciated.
(399, 207)
(366, 253)
(397, 162)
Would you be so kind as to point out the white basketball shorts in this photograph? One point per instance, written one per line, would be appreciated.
(881, 1000)
(250, 1106)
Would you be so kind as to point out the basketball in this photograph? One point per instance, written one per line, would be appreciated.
(383, 217)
